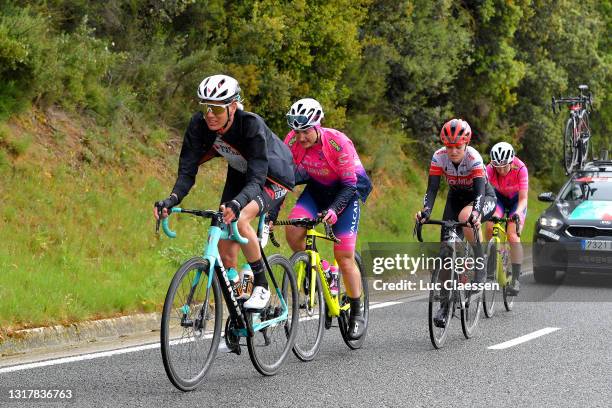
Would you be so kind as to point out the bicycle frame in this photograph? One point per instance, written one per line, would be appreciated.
(501, 239)
(218, 231)
(333, 304)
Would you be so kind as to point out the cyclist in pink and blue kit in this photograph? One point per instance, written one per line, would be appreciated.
(326, 161)
(508, 176)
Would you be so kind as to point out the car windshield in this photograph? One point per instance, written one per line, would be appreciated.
(589, 188)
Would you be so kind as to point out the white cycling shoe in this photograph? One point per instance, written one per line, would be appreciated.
(259, 298)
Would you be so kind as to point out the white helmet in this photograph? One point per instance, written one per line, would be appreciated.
(305, 114)
(502, 154)
(219, 88)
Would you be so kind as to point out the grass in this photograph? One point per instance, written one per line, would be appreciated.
(78, 231)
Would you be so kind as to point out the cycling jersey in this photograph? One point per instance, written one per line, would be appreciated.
(507, 188)
(249, 147)
(331, 169)
(509, 185)
(467, 180)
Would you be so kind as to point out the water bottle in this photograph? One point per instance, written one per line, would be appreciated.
(235, 283)
(247, 280)
(333, 286)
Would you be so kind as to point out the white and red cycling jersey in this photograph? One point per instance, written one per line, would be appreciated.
(461, 176)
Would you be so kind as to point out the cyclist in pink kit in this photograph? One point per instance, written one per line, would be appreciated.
(326, 161)
(508, 176)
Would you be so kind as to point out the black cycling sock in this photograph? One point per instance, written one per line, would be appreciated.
(516, 271)
(355, 306)
(259, 275)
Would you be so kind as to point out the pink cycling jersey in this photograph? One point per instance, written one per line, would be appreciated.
(509, 185)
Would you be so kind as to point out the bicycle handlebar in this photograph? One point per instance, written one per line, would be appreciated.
(310, 223)
(445, 224)
(234, 234)
(584, 99)
(507, 220)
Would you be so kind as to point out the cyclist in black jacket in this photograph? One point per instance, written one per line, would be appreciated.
(260, 170)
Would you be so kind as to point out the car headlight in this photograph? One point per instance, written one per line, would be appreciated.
(551, 223)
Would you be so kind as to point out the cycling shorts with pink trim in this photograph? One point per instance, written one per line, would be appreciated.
(508, 206)
(348, 220)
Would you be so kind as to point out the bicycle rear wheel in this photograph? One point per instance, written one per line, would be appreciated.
(312, 318)
(569, 146)
(269, 347)
(490, 295)
(507, 267)
(343, 319)
(191, 324)
(437, 299)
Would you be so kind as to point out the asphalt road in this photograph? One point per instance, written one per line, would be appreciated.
(571, 366)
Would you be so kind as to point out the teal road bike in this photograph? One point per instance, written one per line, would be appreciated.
(192, 317)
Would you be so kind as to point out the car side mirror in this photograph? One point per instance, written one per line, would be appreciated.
(547, 197)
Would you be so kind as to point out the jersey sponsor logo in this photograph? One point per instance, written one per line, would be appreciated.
(343, 159)
(355, 216)
(292, 141)
(233, 156)
(335, 145)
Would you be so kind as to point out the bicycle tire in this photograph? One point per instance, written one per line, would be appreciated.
(311, 325)
(269, 348)
(508, 300)
(489, 296)
(343, 319)
(569, 147)
(471, 305)
(438, 335)
(174, 312)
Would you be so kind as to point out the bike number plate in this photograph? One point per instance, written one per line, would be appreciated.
(596, 245)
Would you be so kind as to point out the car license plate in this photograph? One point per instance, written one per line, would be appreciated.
(596, 245)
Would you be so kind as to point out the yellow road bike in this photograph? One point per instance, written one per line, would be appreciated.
(317, 305)
(499, 266)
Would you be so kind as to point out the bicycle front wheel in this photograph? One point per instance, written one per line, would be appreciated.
(311, 308)
(439, 298)
(471, 303)
(343, 319)
(569, 146)
(269, 347)
(490, 295)
(191, 324)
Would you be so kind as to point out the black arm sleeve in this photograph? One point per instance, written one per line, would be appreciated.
(257, 163)
(433, 184)
(479, 193)
(343, 197)
(193, 149)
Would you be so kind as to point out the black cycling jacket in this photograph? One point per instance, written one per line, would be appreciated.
(249, 147)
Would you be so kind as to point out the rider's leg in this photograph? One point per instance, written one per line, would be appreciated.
(516, 255)
(305, 207)
(346, 229)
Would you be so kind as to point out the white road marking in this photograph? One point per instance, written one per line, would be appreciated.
(91, 356)
(523, 339)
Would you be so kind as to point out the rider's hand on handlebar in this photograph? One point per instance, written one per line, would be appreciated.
(423, 215)
(474, 219)
(162, 207)
(330, 217)
(231, 211)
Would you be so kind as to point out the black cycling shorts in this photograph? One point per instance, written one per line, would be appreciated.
(269, 197)
(455, 202)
